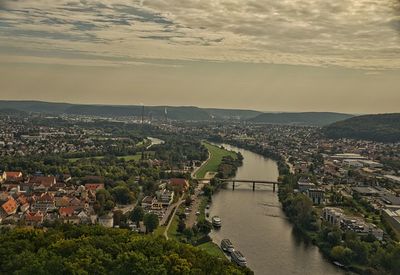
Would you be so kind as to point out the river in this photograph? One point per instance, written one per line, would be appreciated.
(257, 226)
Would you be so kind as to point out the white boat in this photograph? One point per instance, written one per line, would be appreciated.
(216, 221)
(238, 258)
(227, 246)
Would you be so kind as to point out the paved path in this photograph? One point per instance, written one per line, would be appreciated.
(180, 201)
(193, 174)
(167, 213)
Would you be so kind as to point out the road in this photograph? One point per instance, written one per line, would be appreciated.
(177, 204)
(192, 218)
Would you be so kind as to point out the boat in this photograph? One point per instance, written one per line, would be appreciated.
(216, 221)
(227, 246)
(238, 258)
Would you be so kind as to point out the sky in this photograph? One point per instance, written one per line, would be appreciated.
(268, 55)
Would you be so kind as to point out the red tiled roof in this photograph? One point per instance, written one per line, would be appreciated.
(13, 174)
(22, 199)
(94, 186)
(34, 216)
(9, 206)
(182, 183)
(45, 181)
(66, 211)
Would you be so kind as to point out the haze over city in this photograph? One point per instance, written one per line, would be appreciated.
(266, 55)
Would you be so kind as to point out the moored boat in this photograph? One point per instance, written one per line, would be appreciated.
(227, 246)
(216, 221)
(238, 258)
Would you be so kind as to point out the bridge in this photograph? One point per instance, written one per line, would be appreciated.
(254, 182)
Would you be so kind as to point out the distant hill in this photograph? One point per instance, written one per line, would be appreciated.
(382, 127)
(175, 113)
(232, 113)
(12, 112)
(35, 106)
(308, 118)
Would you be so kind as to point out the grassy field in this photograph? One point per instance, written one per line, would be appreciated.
(172, 230)
(212, 249)
(159, 231)
(216, 155)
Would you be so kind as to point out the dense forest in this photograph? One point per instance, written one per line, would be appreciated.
(68, 249)
(382, 128)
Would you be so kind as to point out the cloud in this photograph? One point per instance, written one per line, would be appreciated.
(348, 33)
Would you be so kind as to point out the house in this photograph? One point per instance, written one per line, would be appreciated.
(33, 218)
(84, 218)
(12, 176)
(66, 211)
(23, 203)
(148, 201)
(179, 184)
(43, 203)
(9, 206)
(317, 195)
(42, 183)
(94, 186)
(304, 184)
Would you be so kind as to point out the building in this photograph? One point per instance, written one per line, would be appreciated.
(392, 216)
(106, 220)
(9, 206)
(332, 215)
(148, 201)
(41, 183)
(43, 203)
(12, 176)
(305, 184)
(365, 190)
(317, 195)
(181, 185)
(166, 197)
(33, 218)
(94, 186)
(394, 179)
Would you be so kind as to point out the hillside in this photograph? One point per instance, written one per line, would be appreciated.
(308, 118)
(176, 113)
(232, 113)
(382, 127)
(72, 249)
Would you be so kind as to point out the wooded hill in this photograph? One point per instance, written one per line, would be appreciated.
(381, 127)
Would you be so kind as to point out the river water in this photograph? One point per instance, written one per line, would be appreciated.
(256, 224)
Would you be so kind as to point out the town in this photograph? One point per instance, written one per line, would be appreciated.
(112, 172)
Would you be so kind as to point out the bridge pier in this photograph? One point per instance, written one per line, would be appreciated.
(254, 186)
(233, 185)
(273, 190)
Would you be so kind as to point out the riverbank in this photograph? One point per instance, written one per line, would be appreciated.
(363, 255)
(255, 222)
(216, 156)
(192, 233)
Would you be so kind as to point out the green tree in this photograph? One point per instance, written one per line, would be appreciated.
(137, 214)
(122, 194)
(150, 221)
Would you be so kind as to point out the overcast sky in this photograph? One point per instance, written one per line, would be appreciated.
(270, 55)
